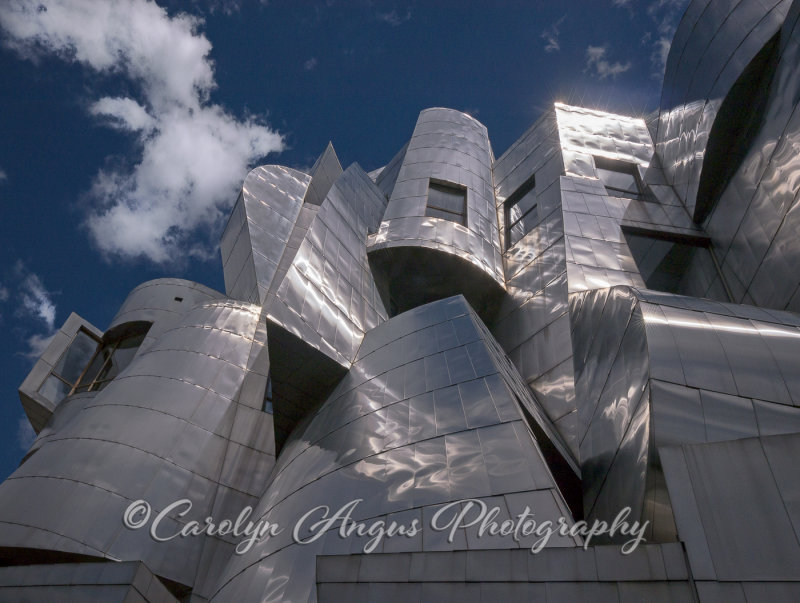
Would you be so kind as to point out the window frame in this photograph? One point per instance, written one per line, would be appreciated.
(513, 199)
(621, 167)
(96, 383)
(66, 350)
(698, 242)
(434, 183)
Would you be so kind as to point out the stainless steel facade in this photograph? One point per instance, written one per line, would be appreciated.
(604, 317)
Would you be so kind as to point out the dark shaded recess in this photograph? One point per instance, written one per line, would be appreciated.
(520, 218)
(676, 255)
(411, 276)
(735, 127)
(127, 329)
(10, 556)
(19, 556)
(671, 262)
(302, 379)
(610, 171)
(569, 484)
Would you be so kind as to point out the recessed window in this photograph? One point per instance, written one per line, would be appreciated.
(447, 202)
(620, 178)
(675, 264)
(69, 368)
(109, 361)
(520, 212)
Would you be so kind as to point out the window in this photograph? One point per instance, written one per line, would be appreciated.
(69, 368)
(447, 202)
(675, 264)
(109, 361)
(520, 217)
(620, 178)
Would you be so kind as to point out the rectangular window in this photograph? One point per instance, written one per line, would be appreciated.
(447, 202)
(520, 214)
(110, 360)
(676, 264)
(69, 368)
(620, 178)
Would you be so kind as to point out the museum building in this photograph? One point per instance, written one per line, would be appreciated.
(600, 325)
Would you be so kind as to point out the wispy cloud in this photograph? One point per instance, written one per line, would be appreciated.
(550, 35)
(664, 16)
(393, 18)
(37, 344)
(32, 304)
(25, 434)
(3, 175)
(310, 64)
(192, 153)
(36, 301)
(4, 295)
(598, 64)
(226, 7)
(659, 55)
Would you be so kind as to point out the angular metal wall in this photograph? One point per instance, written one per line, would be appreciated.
(754, 224)
(714, 43)
(368, 351)
(654, 369)
(258, 229)
(183, 420)
(417, 254)
(424, 417)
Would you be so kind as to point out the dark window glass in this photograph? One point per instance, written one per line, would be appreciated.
(109, 361)
(619, 177)
(54, 389)
(75, 358)
(69, 368)
(685, 267)
(121, 357)
(520, 214)
(447, 202)
(99, 360)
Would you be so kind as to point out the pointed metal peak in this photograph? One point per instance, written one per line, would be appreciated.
(324, 173)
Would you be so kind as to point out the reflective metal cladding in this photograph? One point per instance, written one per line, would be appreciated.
(601, 325)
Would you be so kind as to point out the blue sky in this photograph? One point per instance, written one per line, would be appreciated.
(126, 128)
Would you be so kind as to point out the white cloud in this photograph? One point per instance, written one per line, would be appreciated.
(25, 434)
(597, 61)
(226, 7)
(193, 153)
(31, 300)
(310, 64)
(393, 18)
(550, 35)
(37, 344)
(665, 15)
(36, 300)
(124, 113)
(3, 175)
(660, 53)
